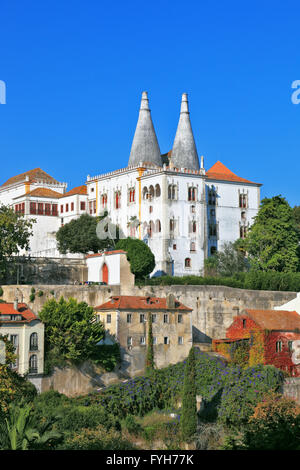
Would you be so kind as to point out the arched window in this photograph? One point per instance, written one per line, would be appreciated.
(104, 200)
(172, 191)
(157, 190)
(151, 192)
(187, 263)
(151, 228)
(193, 246)
(33, 364)
(157, 226)
(131, 195)
(33, 342)
(145, 193)
(192, 194)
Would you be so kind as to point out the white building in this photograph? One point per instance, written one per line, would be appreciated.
(181, 211)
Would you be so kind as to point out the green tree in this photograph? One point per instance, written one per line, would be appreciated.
(71, 331)
(150, 352)
(15, 232)
(230, 260)
(189, 419)
(80, 235)
(139, 255)
(273, 240)
(296, 211)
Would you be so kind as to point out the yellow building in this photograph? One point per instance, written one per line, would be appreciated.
(26, 332)
(127, 319)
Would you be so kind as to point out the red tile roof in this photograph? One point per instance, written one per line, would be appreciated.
(78, 190)
(34, 175)
(105, 253)
(130, 302)
(281, 320)
(220, 172)
(42, 192)
(7, 308)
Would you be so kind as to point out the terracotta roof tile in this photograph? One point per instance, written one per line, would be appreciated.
(130, 302)
(34, 175)
(220, 172)
(42, 192)
(282, 320)
(105, 253)
(78, 190)
(7, 308)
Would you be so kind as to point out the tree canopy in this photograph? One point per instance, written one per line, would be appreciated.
(71, 331)
(273, 239)
(80, 235)
(139, 255)
(15, 232)
(230, 260)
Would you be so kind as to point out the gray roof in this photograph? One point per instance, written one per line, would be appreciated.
(184, 152)
(145, 146)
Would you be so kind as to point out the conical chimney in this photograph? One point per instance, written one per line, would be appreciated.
(184, 152)
(145, 148)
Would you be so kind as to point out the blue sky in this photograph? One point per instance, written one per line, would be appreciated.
(75, 71)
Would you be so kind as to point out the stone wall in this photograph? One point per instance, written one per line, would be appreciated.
(214, 307)
(291, 388)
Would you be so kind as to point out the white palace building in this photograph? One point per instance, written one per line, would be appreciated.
(181, 211)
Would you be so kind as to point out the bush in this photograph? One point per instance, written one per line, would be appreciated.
(40, 293)
(274, 425)
(1, 291)
(32, 297)
(132, 426)
(96, 439)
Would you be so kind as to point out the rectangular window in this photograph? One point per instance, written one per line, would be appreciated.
(166, 318)
(54, 209)
(154, 340)
(33, 208)
(142, 341)
(179, 318)
(278, 346)
(142, 318)
(154, 318)
(290, 346)
(61, 208)
(129, 318)
(82, 206)
(244, 323)
(40, 208)
(108, 318)
(166, 340)
(129, 341)
(72, 206)
(67, 207)
(180, 339)
(14, 339)
(47, 209)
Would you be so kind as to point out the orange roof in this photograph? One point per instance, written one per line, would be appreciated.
(281, 320)
(34, 175)
(7, 308)
(105, 253)
(78, 190)
(130, 302)
(41, 192)
(220, 172)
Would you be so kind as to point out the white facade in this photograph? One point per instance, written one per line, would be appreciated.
(181, 211)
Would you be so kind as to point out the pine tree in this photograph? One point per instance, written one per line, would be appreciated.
(150, 352)
(188, 419)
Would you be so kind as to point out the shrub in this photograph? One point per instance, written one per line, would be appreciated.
(40, 293)
(132, 426)
(1, 291)
(188, 421)
(96, 439)
(32, 297)
(274, 425)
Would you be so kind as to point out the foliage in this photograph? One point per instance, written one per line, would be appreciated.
(96, 439)
(132, 426)
(227, 262)
(188, 421)
(80, 236)
(240, 352)
(139, 255)
(1, 291)
(21, 435)
(256, 280)
(71, 331)
(40, 293)
(32, 297)
(274, 425)
(12, 385)
(209, 436)
(273, 239)
(108, 356)
(150, 352)
(15, 232)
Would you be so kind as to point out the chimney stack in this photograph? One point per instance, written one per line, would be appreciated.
(16, 304)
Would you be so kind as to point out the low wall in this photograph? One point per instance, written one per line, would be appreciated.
(214, 307)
